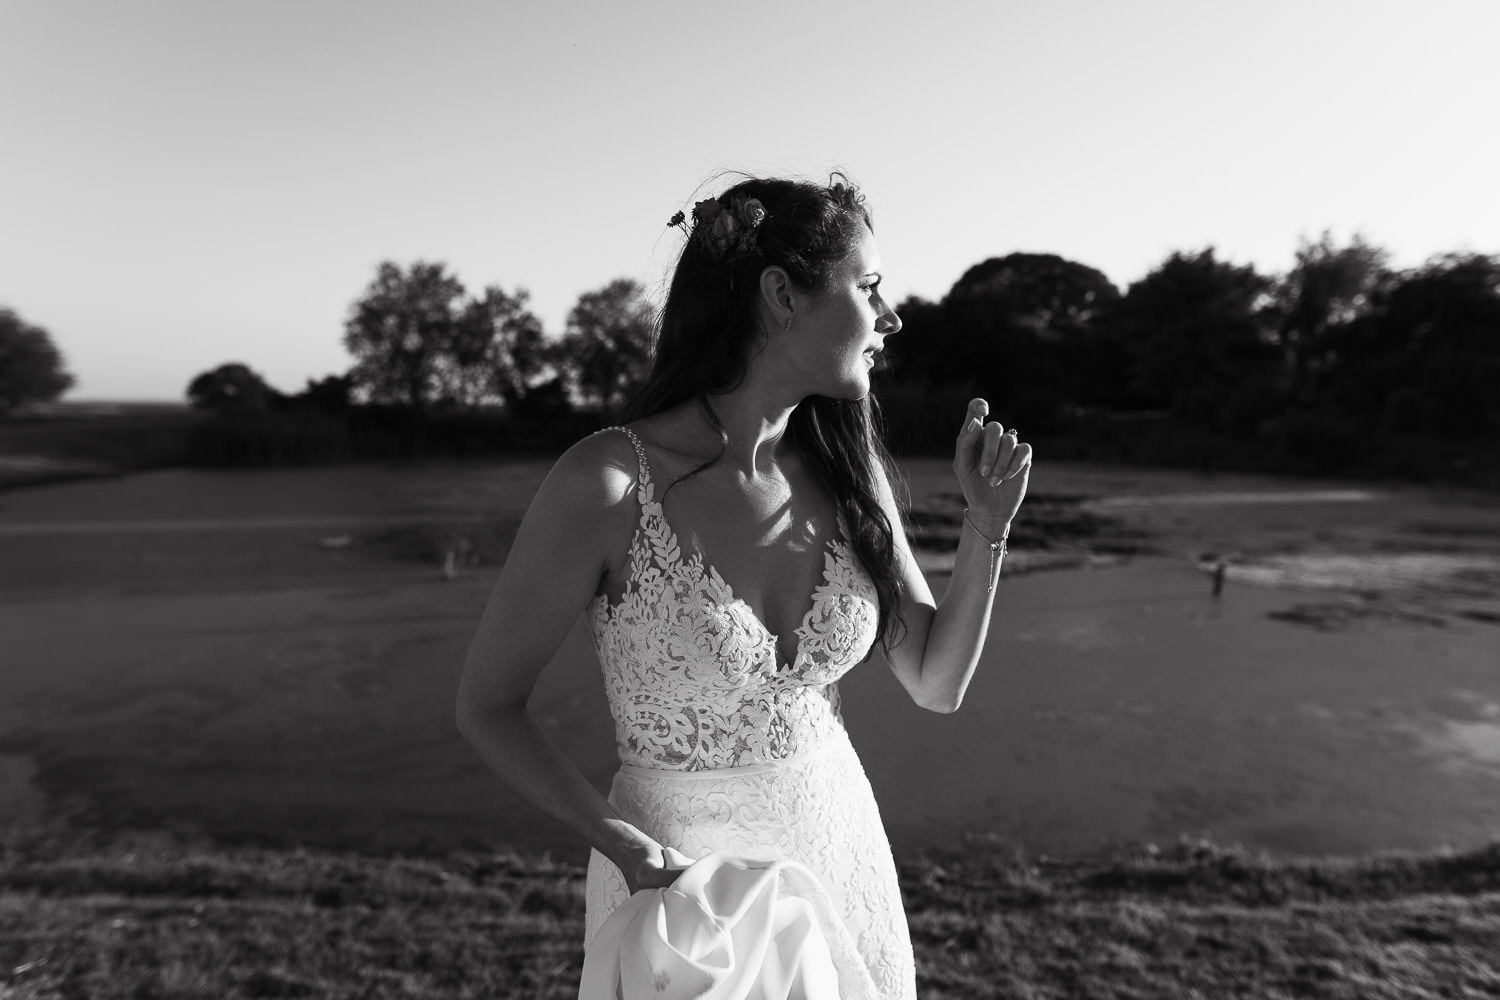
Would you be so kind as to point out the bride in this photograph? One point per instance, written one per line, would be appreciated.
(738, 548)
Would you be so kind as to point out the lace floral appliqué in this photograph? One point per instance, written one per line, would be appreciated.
(692, 675)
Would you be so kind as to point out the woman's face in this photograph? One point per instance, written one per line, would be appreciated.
(835, 343)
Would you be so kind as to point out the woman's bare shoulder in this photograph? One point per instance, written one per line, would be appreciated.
(599, 471)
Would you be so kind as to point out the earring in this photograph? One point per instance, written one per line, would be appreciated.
(787, 327)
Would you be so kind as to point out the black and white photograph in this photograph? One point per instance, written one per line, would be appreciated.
(792, 501)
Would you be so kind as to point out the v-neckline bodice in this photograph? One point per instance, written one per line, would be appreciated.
(709, 569)
(833, 549)
(695, 678)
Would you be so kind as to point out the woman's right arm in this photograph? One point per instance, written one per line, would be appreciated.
(583, 515)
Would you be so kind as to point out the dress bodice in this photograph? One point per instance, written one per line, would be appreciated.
(692, 675)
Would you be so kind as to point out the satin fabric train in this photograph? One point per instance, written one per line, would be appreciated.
(728, 929)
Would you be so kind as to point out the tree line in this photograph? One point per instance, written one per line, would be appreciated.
(1340, 337)
(422, 344)
(1341, 364)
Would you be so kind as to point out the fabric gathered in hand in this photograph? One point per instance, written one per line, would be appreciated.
(728, 929)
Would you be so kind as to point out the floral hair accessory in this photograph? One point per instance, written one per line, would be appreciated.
(725, 233)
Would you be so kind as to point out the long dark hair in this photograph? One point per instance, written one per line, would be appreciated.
(708, 329)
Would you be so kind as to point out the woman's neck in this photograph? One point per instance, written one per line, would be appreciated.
(756, 421)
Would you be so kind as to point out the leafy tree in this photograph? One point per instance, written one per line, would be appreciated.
(1015, 327)
(231, 386)
(1327, 288)
(398, 331)
(1425, 357)
(502, 338)
(915, 354)
(1195, 337)
(930, 350)
(31, 368)
(919, 399)
(329, 394)
(605, 354)
(419, 341)
(1039, 291)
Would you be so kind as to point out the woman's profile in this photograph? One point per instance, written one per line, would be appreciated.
(737, 548)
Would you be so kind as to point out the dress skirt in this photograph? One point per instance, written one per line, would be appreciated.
(816, 809)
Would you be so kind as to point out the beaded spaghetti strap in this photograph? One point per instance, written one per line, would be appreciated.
(643, 480)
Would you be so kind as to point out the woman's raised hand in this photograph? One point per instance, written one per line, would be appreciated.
(992, 466)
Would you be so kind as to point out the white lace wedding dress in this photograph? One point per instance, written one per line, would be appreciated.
(724, 748)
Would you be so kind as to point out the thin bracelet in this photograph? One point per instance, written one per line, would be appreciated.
(997, 548)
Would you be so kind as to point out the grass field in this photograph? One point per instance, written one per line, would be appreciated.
(147, 917)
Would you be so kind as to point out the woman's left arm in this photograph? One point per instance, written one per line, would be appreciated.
(935, 658)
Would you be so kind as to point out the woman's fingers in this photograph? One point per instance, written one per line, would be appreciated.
(1010, 455)
(653, 875)
(967, 450)
(1020, 457)
(989, 452)
(974, 415)
(997, 453)
(1003, 460)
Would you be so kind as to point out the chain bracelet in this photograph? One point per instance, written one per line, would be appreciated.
(997, 548)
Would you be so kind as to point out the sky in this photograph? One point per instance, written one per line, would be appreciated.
(194, 182)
